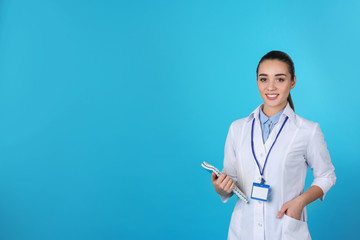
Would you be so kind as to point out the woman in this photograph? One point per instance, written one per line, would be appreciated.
(267, 155)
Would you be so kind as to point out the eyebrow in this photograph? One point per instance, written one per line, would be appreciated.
(279, 74)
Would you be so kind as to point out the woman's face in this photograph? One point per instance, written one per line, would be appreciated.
(274, 83)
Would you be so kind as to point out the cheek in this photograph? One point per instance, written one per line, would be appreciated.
(285, 88)
(261, 87)
(261, 91)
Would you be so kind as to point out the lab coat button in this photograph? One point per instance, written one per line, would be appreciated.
(259, 224)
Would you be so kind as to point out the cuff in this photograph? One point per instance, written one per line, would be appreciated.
(325, 184)
(224, 199)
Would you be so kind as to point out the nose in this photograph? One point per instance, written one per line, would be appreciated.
(271, 85)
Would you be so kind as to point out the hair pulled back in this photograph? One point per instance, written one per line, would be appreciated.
(283, 57)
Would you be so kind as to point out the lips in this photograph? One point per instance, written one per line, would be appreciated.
(272, 96)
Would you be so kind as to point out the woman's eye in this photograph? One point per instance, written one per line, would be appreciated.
(281, 79)
(262, 79)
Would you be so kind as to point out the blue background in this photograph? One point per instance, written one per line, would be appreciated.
(108, 108)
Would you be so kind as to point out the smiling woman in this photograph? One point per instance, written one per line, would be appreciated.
(276, 77)
(269, 152)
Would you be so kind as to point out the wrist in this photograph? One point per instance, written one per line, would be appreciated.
(301, 201)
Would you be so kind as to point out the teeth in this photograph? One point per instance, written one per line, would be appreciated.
(272, 95)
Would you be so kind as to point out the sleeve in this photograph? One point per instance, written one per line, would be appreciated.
(229, 158)
(318, 159)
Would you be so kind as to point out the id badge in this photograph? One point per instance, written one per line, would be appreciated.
(260, 191)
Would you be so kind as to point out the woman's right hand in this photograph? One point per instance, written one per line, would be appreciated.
(223, 184)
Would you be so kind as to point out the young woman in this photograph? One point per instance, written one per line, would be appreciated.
(267, 155)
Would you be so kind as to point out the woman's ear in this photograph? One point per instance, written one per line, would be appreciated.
(293, 82)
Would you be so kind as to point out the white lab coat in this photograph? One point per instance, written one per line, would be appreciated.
(299, 145)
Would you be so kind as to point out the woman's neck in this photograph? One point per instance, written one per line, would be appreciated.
(271, 111)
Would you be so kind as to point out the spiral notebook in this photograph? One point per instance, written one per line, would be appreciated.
(235, 190)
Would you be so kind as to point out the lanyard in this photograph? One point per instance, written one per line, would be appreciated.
(252, 147)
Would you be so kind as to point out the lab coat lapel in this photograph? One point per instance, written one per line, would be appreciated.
(259, 147)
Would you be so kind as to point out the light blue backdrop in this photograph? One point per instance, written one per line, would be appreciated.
(107, 109)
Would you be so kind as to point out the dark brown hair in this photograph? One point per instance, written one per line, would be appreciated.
(281, 56)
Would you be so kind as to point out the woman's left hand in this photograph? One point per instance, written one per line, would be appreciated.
(292, 208)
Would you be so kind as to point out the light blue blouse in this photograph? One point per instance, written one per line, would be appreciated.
(267, 124)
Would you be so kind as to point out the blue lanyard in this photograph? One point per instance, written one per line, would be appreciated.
(252, 147)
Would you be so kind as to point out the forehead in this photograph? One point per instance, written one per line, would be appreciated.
(272, 67)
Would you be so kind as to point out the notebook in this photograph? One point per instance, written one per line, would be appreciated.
(235, 190)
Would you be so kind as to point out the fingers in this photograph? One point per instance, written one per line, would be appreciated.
(225, 182)
(282, 211)
(222, 181)
(217, 180)
(222, 177)
(229, 186)
(213, 177)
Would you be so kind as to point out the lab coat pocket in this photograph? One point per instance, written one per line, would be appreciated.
(294, 229)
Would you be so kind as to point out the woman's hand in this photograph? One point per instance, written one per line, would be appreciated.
(223, 184)
(292, 208)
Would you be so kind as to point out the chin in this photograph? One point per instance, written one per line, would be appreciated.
(274, 104)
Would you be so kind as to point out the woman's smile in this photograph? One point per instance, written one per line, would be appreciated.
(272, 96)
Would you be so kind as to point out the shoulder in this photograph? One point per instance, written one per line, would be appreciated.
(239, 123)
(306, 126)
(236, 127)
